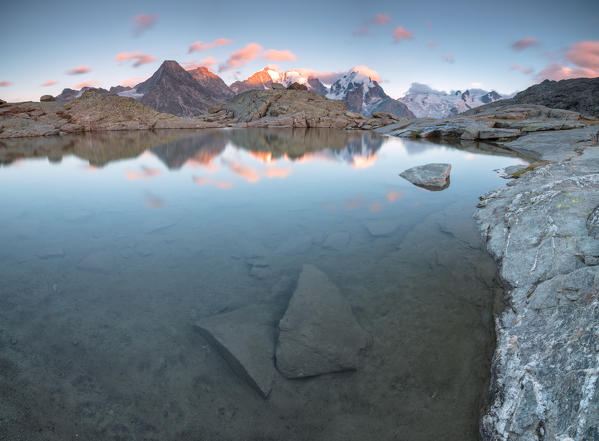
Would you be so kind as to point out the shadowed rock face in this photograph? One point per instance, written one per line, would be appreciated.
(578, 94)
(173, 90)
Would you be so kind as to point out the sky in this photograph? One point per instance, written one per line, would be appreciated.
(504, 46)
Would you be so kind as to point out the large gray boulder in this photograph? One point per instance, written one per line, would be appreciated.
(245, 338)
(318, 333)
(430, 176)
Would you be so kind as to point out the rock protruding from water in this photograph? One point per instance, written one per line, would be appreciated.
(318, 333)
(245, 339)
(430, 176)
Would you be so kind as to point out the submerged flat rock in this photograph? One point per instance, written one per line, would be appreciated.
(429, 176)
(318, 333)
(245, 339)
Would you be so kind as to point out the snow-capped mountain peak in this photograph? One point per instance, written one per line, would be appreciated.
(426, 102)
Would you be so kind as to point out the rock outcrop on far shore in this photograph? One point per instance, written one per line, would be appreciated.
(98, 110)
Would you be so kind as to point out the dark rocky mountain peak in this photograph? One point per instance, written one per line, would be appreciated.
(174, 90)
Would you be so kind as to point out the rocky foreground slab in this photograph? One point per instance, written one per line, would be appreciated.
(542, 231)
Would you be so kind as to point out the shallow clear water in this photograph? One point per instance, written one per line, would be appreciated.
(114, 245)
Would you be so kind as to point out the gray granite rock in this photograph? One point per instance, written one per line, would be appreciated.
(540, 230)
(429, 176)
(245, 338)
(318, 333)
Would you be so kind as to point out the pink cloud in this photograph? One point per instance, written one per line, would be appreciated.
(49, 83)
(367, 72)
(449, 58)
(375, 207)
(402, 34)
(393, 196)
(381, 19)
(5, 83)
(79, 70)
(275, 55)
(86, 84)
(275, 172)
(558, 72)
(241, 57)
(519, 68)
(130, 82)
(145, 173)
(139, 58)
(208, 62)
(143, 22)
(202, 182)
(525, 43)
(432, 44)
(243, 171)
(584, 54)
(200, 46)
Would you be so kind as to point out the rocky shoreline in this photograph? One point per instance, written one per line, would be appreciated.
(542, 231)
(98, 111)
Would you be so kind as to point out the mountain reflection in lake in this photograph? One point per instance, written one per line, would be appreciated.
(115, 244)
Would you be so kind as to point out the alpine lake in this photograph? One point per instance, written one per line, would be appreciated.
(117, 247)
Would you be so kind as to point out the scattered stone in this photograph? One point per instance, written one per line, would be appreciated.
(50, 253)
(245, 338)
(318, 333)
(381, 228)
(337, 240)
(430, 176)
(46, 98)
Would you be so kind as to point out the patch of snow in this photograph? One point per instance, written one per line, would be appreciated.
(132, 93)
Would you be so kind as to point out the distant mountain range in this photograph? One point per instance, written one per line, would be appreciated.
(425, 102)
(172, 89)
(265, 78)
(364, 95)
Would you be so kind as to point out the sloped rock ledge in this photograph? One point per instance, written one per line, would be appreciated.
(542, 231)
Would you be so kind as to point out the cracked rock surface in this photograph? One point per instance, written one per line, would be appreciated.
(542, 232)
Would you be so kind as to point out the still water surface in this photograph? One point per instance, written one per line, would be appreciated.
(113, 245)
